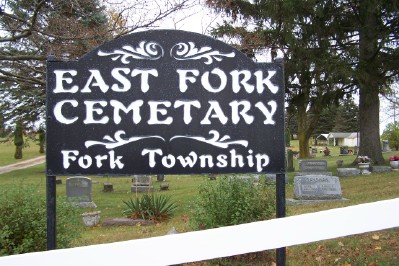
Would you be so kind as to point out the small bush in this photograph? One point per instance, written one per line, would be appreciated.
(154, 207)
(23, 221)
(231, 201)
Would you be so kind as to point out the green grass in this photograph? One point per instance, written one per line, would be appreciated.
(380, 247)
(7, 151)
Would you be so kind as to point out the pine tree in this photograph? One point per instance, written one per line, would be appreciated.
(300, 30)
(347, 117)
(330, 49)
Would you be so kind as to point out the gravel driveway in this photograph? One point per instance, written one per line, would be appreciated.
(22, 165)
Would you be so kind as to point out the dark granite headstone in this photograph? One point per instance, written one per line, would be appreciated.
(290, 161)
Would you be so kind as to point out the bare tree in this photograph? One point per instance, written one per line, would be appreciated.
(30, 31)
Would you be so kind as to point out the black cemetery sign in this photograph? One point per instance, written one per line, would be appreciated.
(164, 102)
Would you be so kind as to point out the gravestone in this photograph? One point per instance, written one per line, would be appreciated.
(312, 167)
(160, 178)
(317, 187)
(343, 150)
(385, 146)
(78, 192)
(290, 161)
(142, 183)
(313, 152)
(348, 171)
(380, 168)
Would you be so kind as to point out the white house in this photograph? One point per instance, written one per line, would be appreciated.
(343, 139)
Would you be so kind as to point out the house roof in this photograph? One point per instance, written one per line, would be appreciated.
(343, 135)
(325, 136)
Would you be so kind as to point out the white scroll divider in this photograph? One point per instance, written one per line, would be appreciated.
(225, 241)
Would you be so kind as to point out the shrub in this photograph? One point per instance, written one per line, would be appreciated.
(23, 221)
(154, 207)
(231, 201)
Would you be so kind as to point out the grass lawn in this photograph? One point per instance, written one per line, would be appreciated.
(7, 151)
(376, 248)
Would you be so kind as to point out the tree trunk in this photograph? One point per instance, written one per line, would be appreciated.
(41, 147)
(302, 133)
(370, 144)
(18, 152)
(368, 81)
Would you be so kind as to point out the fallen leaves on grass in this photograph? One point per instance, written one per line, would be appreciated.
(375, 237)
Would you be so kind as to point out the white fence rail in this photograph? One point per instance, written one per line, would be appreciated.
(225, 241)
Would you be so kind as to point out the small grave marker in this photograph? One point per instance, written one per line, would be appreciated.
(141, 183)
(381, 168)
(348, 171)
(313, 167)
(385, 146)
(78, 191)
(290, 161)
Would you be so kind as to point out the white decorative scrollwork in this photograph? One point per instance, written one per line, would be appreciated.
(145, 50)
(188, 51)
(118, 140)
(215, 140)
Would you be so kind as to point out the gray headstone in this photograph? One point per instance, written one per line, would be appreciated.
(78, 188)
(141, 180)
(385, 146)
(139, 189)
(381, 168)
(78, 191)
(312, 167)
(315, 187)
(348, 171)
(141, 183)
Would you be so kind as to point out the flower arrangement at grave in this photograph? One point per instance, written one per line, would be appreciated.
(363, 159)
(394, 158)
(326, 151)
(364, 164)
(394, 161)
